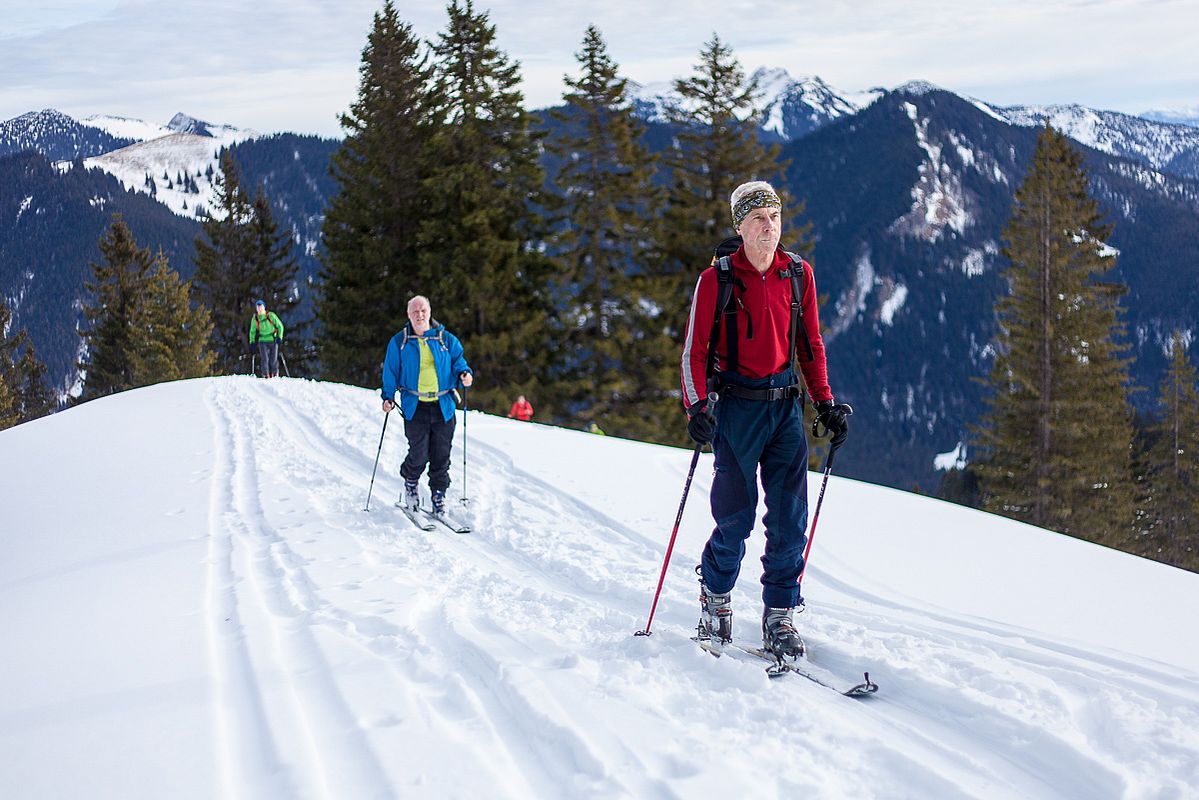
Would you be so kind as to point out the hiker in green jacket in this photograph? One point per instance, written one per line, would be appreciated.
(266, 331)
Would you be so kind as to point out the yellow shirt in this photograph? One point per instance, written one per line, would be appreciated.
(426, 382)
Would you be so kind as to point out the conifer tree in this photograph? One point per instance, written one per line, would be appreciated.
(1057, 434)
(225, 280)
(9, 414)
(274, 267)
(141, 327)
(1173, 466)
(24, 376)
(370, 233)
(613, 361)
(479, 261)
(173, 341)
(119, 283)
(718, 149)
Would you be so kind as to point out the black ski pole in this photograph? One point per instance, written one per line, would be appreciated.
(376, 467)
(712, 398)
(465, 408)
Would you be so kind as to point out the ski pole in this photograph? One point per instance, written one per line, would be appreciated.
(712, 397)
(828, 468)
(286, 371)
(465, 408)
(376, 467)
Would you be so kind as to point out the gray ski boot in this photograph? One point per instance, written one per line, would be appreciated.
(779, 635)
(411, 498)
(715, 615)
(438, 498)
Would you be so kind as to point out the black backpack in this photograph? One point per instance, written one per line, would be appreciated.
(722, 260)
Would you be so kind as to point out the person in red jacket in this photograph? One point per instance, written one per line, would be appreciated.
(522, 409)
(757, 423)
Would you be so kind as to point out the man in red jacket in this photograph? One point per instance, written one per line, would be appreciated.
(757, 422)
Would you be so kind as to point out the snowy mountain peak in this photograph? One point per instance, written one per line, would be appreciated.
(1162, 145)
(183, 123)
(918, 87)
(790, 107)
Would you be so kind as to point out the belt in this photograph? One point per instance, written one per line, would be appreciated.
(427, 395)
(779, 393)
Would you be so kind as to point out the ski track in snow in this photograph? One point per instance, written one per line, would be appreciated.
(350, 650)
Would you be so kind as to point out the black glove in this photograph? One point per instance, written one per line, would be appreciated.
(701, 426)
(834, 419)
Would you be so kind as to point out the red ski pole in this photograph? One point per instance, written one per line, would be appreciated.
(670, 547)
(828, 468)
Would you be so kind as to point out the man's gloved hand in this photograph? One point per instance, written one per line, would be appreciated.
(834, 418)
(701, 427)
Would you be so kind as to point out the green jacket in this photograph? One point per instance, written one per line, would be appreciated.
(265, 328)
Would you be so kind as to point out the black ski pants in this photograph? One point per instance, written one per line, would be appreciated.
(268, 359)
(429, 438)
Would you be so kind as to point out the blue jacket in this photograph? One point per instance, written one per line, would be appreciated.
(401, 367)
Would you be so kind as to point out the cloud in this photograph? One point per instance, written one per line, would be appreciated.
(275, 65)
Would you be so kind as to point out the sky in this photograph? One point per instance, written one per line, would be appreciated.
(274, 65)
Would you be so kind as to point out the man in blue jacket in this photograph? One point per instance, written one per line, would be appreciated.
(425, 363)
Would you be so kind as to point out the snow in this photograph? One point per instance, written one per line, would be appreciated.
(892, 304)
(161, 150)
(196, 605)
(938, 199)
(954, 459)
(126, 127)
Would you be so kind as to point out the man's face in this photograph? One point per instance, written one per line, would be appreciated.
(419, 314)
(762, 227)
(260, 308)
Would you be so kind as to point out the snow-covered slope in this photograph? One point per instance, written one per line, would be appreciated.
(176, 164)
(196, 605)
(165, 168)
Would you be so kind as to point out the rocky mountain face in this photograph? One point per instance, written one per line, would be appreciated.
(908, 191)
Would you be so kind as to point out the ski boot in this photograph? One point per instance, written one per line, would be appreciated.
(411, 498)
(779, 635)
(715, 615)
(438, 496)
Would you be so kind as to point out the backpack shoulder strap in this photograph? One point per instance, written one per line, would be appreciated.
(795, 272)
(726, 308)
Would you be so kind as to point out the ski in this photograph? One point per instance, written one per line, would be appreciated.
(415, 517)
(779, 667)
(447, 521)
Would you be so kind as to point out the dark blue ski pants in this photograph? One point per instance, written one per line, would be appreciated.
(765, 434)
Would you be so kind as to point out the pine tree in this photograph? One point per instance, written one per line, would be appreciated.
(480, 262)
(27, 396)
(174, 336)
(613, 361)
(119, 284)
(717, 149)
(9, 414)
(1172, 466)
(1057, 434)
(370, 233)
(274, 267)
(225, 281)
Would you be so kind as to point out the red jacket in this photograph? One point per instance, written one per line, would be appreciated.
(522, 411)
(764, 307)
